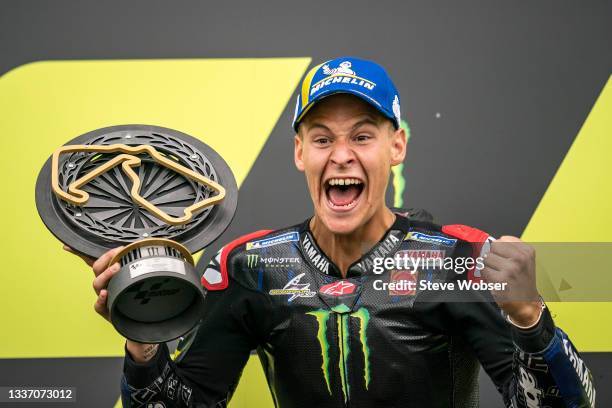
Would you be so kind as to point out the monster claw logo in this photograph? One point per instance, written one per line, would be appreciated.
(343, 322)
(252, 260)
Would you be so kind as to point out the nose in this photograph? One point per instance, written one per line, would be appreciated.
(342, 155)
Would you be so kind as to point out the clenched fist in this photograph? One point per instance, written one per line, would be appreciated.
(512, 261)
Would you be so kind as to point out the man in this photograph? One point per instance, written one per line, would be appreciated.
(332, 327)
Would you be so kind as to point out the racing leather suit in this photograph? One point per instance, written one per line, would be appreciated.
(325, 341)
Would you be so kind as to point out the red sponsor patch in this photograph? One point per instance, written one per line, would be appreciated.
(404, 283)
(425, 253)
(338, 288)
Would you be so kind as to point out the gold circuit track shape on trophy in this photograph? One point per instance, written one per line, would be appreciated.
(128, 161)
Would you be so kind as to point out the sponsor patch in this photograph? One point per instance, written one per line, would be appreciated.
(255, 260)
(381, 250)
(343, 68)
(294, 289)
(344, 74)
(426, 254)
(339, 288)
(430, 239)
(314, 255)
(404, 283)
(268, 242)
(586, 379)
(532, 395)
(172, 387)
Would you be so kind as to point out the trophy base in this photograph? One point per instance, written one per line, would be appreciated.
(157, 295)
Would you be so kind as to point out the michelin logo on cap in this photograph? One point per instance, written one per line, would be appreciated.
(364, 79)
(343, 74)
(343, 68)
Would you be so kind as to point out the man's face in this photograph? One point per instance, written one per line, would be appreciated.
(346, 150)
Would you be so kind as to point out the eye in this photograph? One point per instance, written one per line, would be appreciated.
(321, 140)
(362, 138)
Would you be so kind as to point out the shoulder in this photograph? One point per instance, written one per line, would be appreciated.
(237, 254)
(461, 240)
(466, 233)
(450, 234)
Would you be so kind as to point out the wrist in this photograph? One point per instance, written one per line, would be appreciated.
(528, 315)
(141, 352)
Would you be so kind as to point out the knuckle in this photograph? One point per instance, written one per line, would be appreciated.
(97, 267)
(519, 258)
(513, 267)
(495, 245)
(525, 257)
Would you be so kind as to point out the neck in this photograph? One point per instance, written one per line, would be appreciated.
(345, 249)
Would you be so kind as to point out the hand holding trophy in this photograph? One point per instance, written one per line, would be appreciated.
(159, 193)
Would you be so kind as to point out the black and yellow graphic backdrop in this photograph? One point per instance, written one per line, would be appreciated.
(509, 106)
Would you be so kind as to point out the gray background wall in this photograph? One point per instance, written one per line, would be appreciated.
(512, 81)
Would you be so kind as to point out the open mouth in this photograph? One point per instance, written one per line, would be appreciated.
(343, 193)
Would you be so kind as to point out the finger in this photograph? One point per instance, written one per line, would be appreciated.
(497, 262)
(100, 305)
(102, 262)
(101, 281)
(509, 238)
(509, 249)
(490, 274)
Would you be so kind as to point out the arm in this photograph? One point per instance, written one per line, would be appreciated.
(532, 367)
(538, 367)
(140, 352)
(210, 358)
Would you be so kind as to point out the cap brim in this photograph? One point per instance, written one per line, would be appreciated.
(335, 90)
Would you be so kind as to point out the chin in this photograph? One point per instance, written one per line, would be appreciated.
(342, 224)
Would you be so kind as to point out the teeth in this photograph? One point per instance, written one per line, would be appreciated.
(346, 206)
(343, 181)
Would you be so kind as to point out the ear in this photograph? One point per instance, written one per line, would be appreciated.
(297, 152)
(398, 146)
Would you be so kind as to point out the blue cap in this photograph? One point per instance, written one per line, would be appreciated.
(364, 79)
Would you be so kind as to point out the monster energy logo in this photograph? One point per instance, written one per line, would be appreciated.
(270, 261)
(342, 319)
(252, 260)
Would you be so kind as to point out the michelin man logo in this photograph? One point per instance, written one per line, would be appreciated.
(396, 109)
(343, 68)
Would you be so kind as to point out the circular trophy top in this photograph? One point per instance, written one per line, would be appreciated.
(117, 185)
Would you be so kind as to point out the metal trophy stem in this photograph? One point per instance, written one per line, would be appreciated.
(157, 283)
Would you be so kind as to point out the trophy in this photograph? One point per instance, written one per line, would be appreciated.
(162, 194)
